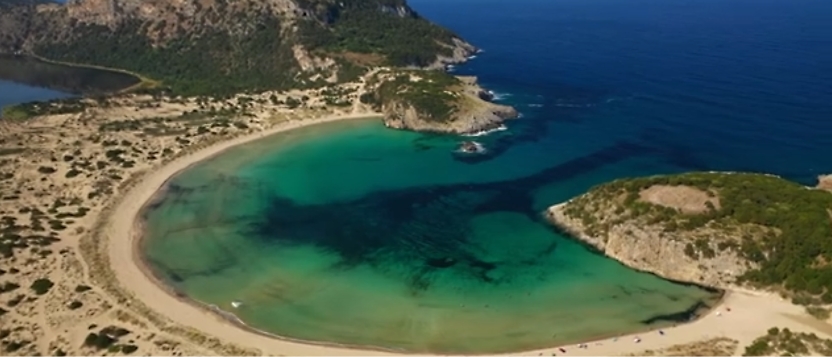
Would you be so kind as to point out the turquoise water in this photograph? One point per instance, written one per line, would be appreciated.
(355, 234)
(351, 233)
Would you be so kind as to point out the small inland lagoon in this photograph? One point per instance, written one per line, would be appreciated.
(354, 234)
(76, 79)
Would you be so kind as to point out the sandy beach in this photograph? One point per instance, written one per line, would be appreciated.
(123, 235)
(742, 316)
(91, 173)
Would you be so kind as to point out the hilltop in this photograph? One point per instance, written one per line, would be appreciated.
(222, 47)
(718, 229)
(218, 49)
(435, 102)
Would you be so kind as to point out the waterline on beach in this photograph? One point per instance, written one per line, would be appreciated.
(415, 285)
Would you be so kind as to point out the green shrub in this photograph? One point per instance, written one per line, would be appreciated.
(42, 286)
(46, 170)
(8, 286)
(128, 349)
(818, 312)
(98, 341)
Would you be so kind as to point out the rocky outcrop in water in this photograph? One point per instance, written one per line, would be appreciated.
(456, 107)
(484, 116)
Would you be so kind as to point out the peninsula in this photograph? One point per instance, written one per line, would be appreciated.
(735, 231)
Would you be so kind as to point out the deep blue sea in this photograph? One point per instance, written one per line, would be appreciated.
(705, 84)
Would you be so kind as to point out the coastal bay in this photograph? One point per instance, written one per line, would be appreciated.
(132, 222)
(464, 274)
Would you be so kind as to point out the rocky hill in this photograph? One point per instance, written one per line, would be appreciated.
(717, 229)
(435, 102)
(215, 47)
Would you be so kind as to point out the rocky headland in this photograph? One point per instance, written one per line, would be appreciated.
(437, 102)
(724, 230)
(825, 182)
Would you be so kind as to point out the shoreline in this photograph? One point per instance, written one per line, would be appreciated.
(123, 235)
(143, 81)
(575, 237)
(145, 286)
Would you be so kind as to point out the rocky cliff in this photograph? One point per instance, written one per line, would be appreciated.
(647, 247)
(438, 102)
(825, 182)
(716, 229)
(221, 47)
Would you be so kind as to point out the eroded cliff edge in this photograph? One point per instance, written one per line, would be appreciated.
(434, 101)
(717, 229)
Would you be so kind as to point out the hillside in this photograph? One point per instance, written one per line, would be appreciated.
(434, 101)
(718, 229)
(219, 47)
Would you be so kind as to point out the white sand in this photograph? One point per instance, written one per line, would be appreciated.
(121, 236)
(751, 313)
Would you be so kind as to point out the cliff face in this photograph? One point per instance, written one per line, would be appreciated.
(437, 102)
(646, 247)
(825, 182)
(472, 114)
(484, 116)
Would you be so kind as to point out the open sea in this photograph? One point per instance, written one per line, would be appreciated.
(351, 233)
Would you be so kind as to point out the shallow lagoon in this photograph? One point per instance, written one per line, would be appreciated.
(351, 233)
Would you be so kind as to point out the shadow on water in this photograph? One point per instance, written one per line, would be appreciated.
(412, 234)
(64, 78)
(425, 226)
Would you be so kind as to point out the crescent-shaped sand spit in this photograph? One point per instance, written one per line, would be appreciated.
(115, 264)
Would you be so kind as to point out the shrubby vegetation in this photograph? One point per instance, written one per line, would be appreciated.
(227, 50)
(41, 286)
(786, 343)
(26, 110)
(374, 26)
(107, 339)
(208, 63)
(431, 94)
(798, 257)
